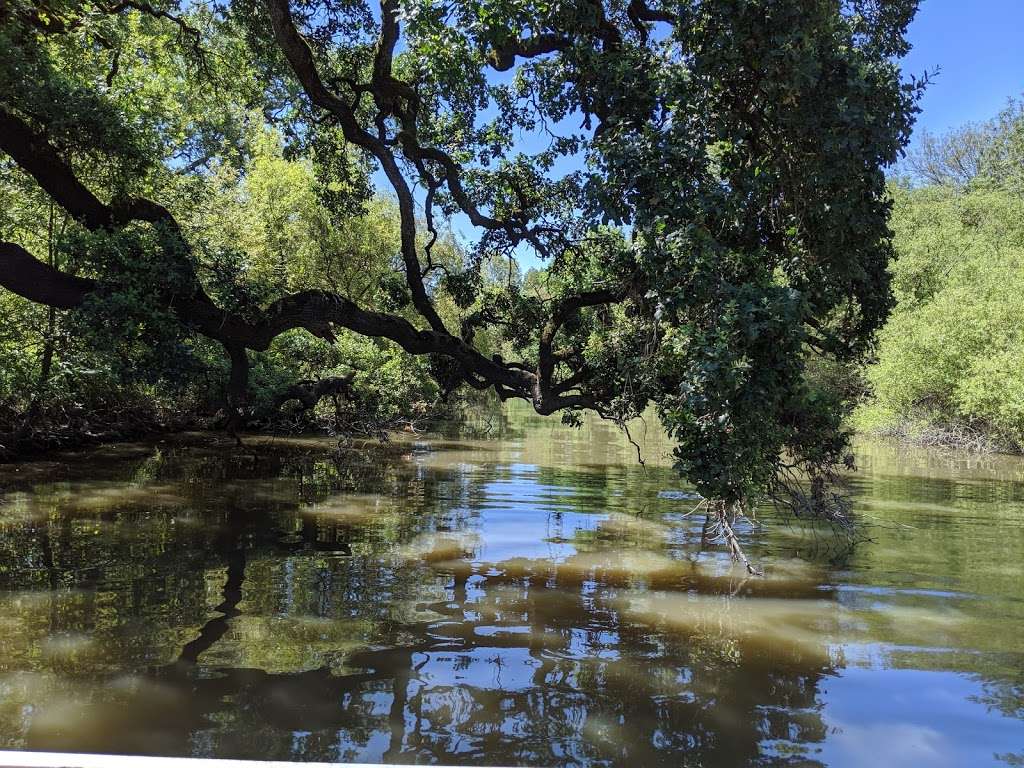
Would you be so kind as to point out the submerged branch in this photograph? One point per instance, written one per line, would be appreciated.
(718, 526)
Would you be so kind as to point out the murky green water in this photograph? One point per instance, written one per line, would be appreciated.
(538, 599)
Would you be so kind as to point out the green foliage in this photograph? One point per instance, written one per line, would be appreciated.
(707, 196)
(266, 231)
(951, 354)
(388, 385)
(21, 341)
(739, 247)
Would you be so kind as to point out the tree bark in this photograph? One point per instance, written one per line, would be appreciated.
(238, 388)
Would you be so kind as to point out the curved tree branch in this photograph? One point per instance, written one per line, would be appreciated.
(504, 58)
(317, 312)
(38, 158)
(300, 58)
(24, 274)
(563, 310)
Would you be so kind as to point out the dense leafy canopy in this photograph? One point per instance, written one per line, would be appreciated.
(950, 360)
(701, 181)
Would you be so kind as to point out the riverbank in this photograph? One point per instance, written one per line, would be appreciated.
(926, 432)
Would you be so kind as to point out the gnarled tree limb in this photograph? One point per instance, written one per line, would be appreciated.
(317, 312)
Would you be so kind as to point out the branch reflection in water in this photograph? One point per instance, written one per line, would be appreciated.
(533, 598)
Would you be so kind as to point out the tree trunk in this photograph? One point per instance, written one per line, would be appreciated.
(238, 386)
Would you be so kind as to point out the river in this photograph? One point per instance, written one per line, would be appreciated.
(525, 595)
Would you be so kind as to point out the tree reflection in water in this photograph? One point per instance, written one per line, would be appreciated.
(452, 606)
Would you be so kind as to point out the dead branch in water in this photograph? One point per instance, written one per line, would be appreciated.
(718, 525)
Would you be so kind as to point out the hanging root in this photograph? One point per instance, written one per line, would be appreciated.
(639, 457)
(718, 525)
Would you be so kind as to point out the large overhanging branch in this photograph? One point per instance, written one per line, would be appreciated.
(393, 98)
(314, 311)
(300, 58)
(40, 160)
(23, 274)
(387, 93)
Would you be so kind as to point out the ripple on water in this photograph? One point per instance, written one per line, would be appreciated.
(537, 600)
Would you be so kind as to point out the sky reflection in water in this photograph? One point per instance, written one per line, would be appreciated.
(534, 597)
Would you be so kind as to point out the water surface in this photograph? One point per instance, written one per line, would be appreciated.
(529, 597)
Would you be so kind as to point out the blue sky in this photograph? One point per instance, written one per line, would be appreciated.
(977, 45)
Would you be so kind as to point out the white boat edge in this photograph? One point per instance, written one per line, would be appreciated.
(18, 759)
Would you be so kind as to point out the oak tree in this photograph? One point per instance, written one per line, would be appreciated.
(700, 181)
